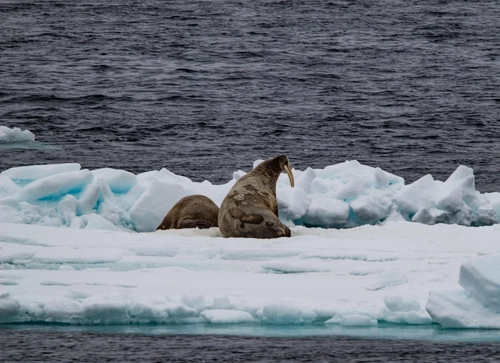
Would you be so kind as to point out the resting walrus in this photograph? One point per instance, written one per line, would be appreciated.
(250, 208)
(191, 212)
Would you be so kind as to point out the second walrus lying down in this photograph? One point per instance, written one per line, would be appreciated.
(250, 209)
(194, 211)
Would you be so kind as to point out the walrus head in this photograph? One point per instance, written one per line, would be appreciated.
(276, 166)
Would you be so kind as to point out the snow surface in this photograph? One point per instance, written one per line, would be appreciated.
(349, 277)
(79, 247)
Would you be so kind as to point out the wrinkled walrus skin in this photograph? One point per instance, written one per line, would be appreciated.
(191, 212)
(250, 208)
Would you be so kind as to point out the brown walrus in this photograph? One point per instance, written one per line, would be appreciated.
(191, 212)
(250, 208)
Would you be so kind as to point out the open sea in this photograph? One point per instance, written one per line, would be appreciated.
(205, 87)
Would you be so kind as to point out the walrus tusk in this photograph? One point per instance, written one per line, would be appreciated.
(290, 175)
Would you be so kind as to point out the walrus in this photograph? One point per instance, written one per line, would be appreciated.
(250, 208)
(191, 212)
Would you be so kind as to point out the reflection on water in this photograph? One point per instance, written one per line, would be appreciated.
(25, 145)
(384, 331)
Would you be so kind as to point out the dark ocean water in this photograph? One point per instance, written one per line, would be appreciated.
(205, 87)
(62, 345)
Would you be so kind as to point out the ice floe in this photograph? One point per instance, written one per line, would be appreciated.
(9, 135)
(79, 247)
(398, 272)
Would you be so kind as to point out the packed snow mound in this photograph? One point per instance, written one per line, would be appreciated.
(343, 195)
(478, 304)
(15, 134)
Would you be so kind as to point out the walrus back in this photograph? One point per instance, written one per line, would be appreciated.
(250, 209)
(191, 212)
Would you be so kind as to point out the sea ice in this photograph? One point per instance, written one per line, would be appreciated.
(478, 304)
(34, 172)
(119, 181)
(343, 195)
(55, 185)
(67, 254)
(15, 135)
(154, 203)
(225, 316)
(398, 272)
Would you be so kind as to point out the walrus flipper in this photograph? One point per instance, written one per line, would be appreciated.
(252, 218)
(166, 223)
(190, 223)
